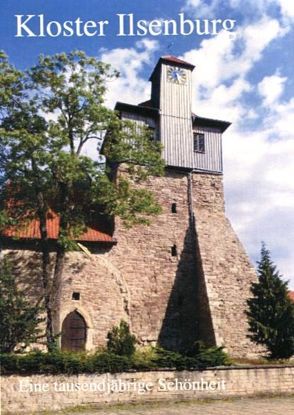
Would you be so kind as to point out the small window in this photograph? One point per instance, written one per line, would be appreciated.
(153, 133)
(75, 296)
(174, 251)
(174, 208)
(199, 143)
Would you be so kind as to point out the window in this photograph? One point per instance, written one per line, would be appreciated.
(75, 296)
(174, 208)
(174, 251)
(199, 143)
(153, 133)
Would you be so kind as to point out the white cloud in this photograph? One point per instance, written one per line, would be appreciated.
(201, 9)
(287, 8)
(218, 58)
(259, 193)
(271, 88)
(222, 64)
(259, 173)
(129, 87)
(284, 116)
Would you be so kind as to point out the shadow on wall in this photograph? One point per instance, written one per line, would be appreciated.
(26, 266)
(187, 317)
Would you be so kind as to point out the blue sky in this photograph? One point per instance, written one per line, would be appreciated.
(245, 76)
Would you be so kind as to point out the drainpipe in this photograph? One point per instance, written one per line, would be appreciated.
(190, 198)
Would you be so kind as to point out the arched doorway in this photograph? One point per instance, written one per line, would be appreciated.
(74, 332)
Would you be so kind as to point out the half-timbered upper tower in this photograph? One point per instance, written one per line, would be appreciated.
(189, 141)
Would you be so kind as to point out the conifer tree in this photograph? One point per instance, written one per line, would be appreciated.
(271, 312)
(120, 340)
(19, 323)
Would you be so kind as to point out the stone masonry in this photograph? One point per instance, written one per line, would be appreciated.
(32, 394)
(198, 294)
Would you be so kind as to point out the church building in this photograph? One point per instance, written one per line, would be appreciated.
(186, 277)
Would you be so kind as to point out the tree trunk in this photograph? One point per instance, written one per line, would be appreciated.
(60, 250)
(57, 278)
(47, 295)
(42, 214)
(42, 210)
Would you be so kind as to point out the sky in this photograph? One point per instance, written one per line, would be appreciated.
(244, 75)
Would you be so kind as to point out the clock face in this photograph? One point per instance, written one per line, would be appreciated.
(176, 75)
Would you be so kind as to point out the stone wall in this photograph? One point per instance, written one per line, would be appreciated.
(200, 292)
(32, 394)
(227, 272)
(162, 287)
(104, 298)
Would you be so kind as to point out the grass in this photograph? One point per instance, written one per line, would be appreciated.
(262, 362)
(149, 405)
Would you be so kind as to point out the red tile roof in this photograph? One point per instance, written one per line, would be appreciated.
(291, 295)
(174, 59)
(30, 230)
(170, 59)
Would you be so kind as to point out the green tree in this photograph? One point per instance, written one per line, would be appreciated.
(48, 116)
(19, 324)
(271, 312)
(120, 340)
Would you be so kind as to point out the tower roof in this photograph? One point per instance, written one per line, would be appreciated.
(172, 60)
(144, 108)
(210, 122)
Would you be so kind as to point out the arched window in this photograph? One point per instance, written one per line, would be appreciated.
(74, 332)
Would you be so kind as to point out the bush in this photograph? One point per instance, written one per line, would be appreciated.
(105, 362)
(109, 362)
(9, 363)
(208, 356)
(143, 359)
(120, 341)
(167, 359)
(198, 358)
(63, 362)
(39, 362)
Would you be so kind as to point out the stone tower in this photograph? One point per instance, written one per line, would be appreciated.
(190, 273)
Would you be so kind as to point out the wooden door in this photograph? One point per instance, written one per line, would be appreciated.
(74, 332)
